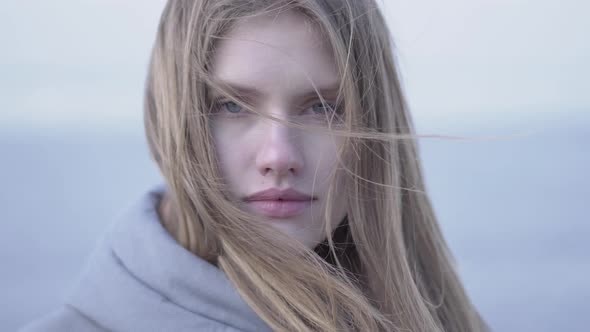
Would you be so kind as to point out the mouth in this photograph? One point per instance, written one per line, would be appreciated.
(280, 208)
(277, 203)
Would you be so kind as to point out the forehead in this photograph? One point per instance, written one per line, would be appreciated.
(275, 53)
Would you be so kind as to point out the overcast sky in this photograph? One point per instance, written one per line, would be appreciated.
(82, 62)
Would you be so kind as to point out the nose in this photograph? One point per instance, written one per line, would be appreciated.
(279, 154)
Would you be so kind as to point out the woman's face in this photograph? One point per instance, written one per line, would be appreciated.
(278, 172)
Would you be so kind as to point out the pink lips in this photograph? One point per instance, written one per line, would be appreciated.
(277, 203)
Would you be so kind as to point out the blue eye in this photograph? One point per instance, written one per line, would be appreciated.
(232, 107)
(323, 108)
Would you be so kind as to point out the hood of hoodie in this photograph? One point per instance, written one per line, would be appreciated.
(140, 279)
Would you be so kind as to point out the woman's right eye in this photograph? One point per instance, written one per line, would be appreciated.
(231, 107)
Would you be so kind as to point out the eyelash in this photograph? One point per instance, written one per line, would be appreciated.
(222, 105)
(225, 103)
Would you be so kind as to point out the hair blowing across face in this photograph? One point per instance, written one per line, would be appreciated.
(387, 267)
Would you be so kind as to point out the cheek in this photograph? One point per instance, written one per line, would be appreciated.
(322, 152)
(326, 162)
(340, 194)
(230, 152)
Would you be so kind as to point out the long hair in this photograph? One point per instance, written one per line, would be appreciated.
(386, 267)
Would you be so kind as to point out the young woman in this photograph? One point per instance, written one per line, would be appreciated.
(293, 196)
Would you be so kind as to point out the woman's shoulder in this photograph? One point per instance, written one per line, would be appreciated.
(65, 318)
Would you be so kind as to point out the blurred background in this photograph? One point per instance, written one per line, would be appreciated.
(514, 209)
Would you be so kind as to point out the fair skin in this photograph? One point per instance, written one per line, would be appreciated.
(274, 62)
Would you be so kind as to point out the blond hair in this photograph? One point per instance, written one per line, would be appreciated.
(387, 266)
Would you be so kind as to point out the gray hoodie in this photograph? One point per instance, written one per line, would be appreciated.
(140, 279)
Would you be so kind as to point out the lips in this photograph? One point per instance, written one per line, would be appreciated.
(277, 194)
(276, 203)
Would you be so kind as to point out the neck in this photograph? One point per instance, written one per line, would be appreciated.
(166, 216)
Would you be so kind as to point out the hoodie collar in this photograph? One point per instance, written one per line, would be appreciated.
(140, 279)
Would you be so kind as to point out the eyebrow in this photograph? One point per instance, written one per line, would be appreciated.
(240, 90)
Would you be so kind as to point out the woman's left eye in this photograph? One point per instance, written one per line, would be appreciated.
(322, 108)
(232, 107)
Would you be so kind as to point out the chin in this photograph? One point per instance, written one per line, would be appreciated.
(302, 233)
